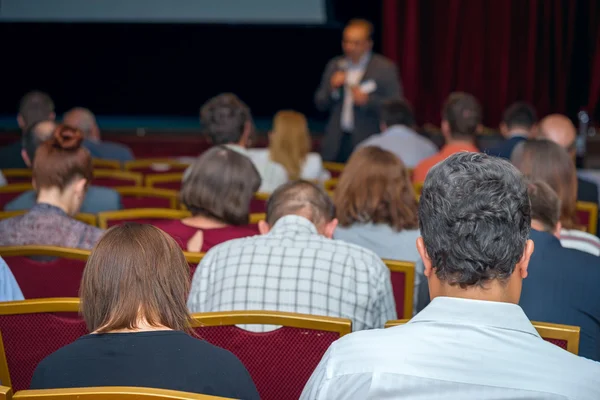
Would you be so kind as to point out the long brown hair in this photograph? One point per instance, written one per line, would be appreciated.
(290, 142)
(375, 187)
(546, 161)
(135, 271)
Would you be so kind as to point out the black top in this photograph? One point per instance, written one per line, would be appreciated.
(158, 359)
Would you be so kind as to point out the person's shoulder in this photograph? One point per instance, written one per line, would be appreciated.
(383, 61)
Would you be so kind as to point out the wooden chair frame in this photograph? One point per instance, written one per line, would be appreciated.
(111, 393)
(89, 219)
(140, 213)
(193, 258)
(17, 173)
(52, 251)
(262, 196)
(5, 393)
(546, 330)
(106, 164)
(330, 184)
(342, 326)
(408, 268)
(59, 304)
(334, 166)
(592, 210)
(255, 218)
(116, 174)
(171, 195)
(148, 162)
(172, 177)
(16, 187)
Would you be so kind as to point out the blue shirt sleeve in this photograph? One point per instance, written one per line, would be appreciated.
(9, 288)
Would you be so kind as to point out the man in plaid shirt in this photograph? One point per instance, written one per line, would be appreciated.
(296, 266)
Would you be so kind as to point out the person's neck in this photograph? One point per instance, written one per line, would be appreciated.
(140, 326)
(517, 131)
(491, 292)
(460, 141)
(54, 197)
(203, 222)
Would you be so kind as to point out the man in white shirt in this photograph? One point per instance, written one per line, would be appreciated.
(296, 266)
(472, 341)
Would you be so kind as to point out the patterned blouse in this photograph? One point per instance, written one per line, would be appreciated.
(48, 225)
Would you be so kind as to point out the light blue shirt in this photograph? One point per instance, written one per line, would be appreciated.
(9, 288)
(405, 143)
(454, 349)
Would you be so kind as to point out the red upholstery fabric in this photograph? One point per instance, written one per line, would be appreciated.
(150, 221)
(258, 206)
(39, 279)
(112, 182)
(6, 198)
(280, 362)
(150, 170)
(168, 185)
(29, 338)
(398, 281)
(583, 218)
(130, 202)
(559, 342)
(17, 179)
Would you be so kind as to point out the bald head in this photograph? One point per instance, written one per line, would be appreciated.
(83, 119)
(33, 137)
(560, 130)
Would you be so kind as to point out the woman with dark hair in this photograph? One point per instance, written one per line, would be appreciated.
(133, 300)
(62, 171)
(217, 190)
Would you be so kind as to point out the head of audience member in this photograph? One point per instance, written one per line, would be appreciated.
(290, 142)
(560, 130)
(545, 208)
(62, 170)
(518, 119)
(35, 106)
(357, 39)
(475, 216)
(83, 119)
(375, 187)
(227, 120)
(136, 279)
(33, 137)
(220, 186)
(304, 199)
(395, 112)
(543, 160)
(461, 118)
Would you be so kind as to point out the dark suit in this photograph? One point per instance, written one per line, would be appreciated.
(587, 191)
(562, 288)
(505, 149)
(366, 118)
(10, 156)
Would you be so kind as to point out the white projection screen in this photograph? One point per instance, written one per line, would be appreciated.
(166, 11)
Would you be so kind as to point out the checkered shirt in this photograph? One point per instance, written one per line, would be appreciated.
(294, 269)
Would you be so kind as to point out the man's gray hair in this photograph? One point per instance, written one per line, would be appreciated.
(300, 198)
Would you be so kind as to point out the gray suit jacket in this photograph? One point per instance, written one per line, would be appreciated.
(366, 118)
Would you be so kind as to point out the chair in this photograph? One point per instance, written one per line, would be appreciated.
(111, 393)
(402, 275)
(256, 218)
(5, 393)
(193, 260)
(17, 175)
(280, 361)
(330, 184)
(155, 165)
(258, 204)
(115, 178)
(418, 187)
(144, 197)
(171, 181)
(89, 219)
(11, 191)
(30, 331)
(564, 336)
(587, 214)
(46, 271)
(141, 215)
(106, 164)
(335, 169)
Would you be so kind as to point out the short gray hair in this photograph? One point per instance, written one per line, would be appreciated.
(300, 198)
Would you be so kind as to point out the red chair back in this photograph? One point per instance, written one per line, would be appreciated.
(130, 202)
(258, 206)
(402, 276)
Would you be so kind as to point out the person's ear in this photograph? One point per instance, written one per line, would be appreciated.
(557, 230)
(445, 128)
(329, 228)
(479, 129)
(533, 131)
(21, 122)
(503, 129)
(424, 257)
(263, 227)
(25, 157)
(523, 263)
(247, 132)
(382, 127)
(80, 187)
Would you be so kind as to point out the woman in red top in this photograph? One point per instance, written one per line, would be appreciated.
(217, 190)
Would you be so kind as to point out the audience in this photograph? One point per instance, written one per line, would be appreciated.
(561, 284)
(546, 161)
(84, 119)
(9, 288)
(35, 106)
(472, 341)
(398, 135)
(61, 173)
(461, 119)
(518, 124)
(288, 157)
(133, 295)
(97, 199)
(217, 191)
(295, 266)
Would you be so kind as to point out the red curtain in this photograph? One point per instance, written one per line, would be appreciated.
(594, 93)
(498, 50)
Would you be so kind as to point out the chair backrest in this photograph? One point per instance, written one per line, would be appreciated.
(141, 215)
(255, 218)
(587, 214)
(331, 184)
(402, 275)
(155, 165)
(111, 393)
(17, 175)
(165, 181)
(145, 197)
(335, 169)
(12, 190)
(106, 164)
(258, 204)
(89, 219)
(5, 393)
(279, 361)
(564, 336)
(193, 260)
(30, 331)
(46, 271)
(116, 178)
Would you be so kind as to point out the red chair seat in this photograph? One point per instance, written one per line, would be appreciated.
(130, 202)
